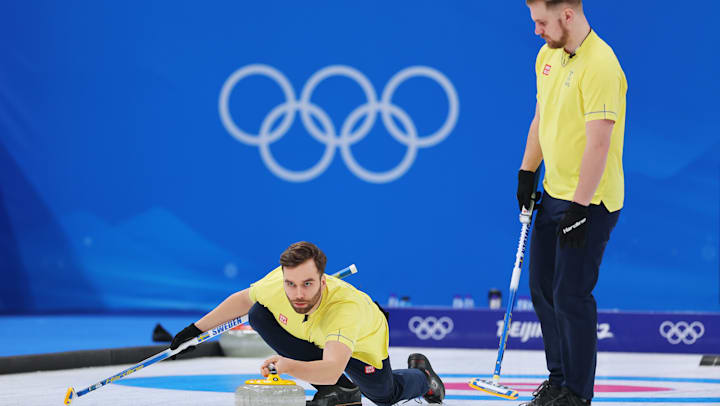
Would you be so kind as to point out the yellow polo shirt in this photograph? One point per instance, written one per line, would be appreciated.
(570, 92)
(345, 314)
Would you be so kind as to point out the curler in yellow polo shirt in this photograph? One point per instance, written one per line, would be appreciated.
(571, 91)
(345, 314)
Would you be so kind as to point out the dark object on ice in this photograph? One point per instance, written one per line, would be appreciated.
(160, 335)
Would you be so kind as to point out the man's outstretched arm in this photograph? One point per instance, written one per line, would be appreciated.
(326, 371)
(236, 305)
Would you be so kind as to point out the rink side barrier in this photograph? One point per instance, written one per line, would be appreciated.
(681, 332)
(710, 361)
(95, 358)
(696, 333)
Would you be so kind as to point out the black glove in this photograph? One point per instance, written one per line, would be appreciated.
(526, 187)
(572, 229)
(188, 333)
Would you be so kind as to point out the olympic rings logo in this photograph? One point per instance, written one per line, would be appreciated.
(688, 333)
(431, 327)
(328, 134)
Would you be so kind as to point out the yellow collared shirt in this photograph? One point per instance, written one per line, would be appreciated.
(345, 314)
(570, 92)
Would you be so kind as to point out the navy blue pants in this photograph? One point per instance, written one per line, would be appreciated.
(561, 285)
(382, 386)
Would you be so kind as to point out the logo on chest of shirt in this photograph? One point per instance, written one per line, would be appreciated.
(282, 319)
(369, 369)
(546, 69)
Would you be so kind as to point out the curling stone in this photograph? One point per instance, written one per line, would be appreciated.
(272, 391)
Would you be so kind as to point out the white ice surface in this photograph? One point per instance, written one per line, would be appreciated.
(48, 388)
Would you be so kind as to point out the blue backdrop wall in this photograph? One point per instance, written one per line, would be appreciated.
(161, 155)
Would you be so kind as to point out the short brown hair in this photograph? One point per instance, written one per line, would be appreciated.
(553, 3)
(300, 252)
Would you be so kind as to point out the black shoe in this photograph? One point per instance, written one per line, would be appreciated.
(543, 395)
(335, 395)
(567, 398)
(436, 393)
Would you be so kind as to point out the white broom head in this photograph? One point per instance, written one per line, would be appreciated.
(492, 388)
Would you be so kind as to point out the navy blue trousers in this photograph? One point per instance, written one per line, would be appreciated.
(382, 386)
(561, 285)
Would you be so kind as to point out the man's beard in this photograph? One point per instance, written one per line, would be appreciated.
(308, 304)
(560, 43)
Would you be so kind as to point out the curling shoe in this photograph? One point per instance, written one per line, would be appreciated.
(567, 398)
(336, 395)
(543, 395)
(436, 393)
